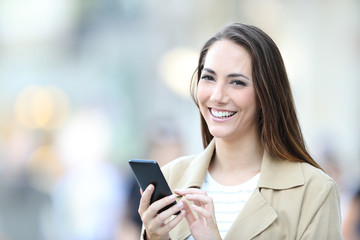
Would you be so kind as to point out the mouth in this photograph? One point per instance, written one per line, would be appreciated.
(223, 114)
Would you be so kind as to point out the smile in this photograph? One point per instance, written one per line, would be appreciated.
(222, 114)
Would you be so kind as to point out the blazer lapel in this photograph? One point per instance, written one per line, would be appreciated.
(258, 214)
(195, 173)
(255, 217)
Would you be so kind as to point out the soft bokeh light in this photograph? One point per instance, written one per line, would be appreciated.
(34, 21)
(176, 68)
(41, 107)
(84, 140)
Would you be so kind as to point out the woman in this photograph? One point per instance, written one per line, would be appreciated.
(255, 178)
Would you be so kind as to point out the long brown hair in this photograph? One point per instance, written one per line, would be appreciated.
(278, 124)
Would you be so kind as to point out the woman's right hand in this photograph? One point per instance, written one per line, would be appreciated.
(157, 225)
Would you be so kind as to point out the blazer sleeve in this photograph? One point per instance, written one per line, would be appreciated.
(326, 223)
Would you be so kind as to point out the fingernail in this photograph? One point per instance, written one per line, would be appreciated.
(172, 197)
(179, 205)
(150, 187)
(195, 207)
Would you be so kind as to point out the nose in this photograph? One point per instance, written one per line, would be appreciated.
(219, 93)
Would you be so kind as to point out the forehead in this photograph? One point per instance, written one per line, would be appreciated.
(225, 53)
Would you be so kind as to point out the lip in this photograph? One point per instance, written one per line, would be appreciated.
(218, 119)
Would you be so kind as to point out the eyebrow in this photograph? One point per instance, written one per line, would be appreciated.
(230, 75)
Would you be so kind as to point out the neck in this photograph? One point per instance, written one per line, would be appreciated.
(241, 158)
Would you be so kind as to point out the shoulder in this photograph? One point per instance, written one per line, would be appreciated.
(281, 174)
(319, 189)
(300, 189)
(320, 204)
(317, 178)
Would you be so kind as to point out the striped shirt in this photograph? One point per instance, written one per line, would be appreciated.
(228, 200)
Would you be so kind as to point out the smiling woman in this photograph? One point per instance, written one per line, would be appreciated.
(255, 179)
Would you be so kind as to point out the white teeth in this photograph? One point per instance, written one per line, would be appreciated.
(222, 114)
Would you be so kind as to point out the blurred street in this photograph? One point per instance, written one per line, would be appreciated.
(86, 85)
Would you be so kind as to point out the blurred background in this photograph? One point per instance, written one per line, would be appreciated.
(86, 85)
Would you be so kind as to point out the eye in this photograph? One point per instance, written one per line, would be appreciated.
(207, 78)
(238, 83)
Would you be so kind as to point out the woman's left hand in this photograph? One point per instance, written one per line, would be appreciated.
(203, 227)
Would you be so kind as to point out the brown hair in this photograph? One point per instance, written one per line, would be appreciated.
(278, 124)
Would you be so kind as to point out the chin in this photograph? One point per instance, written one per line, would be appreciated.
(220, 133)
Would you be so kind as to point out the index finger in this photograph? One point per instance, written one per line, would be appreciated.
(187, 191)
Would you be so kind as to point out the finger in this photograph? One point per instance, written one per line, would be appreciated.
(199, 198)
(202, 211)
(190, 217)
(163, 216)
(145, 199)
(166, 228)
(158, 205)
(171, 224)
(189, 191)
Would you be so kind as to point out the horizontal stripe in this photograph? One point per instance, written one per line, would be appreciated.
(215, 191)
(228, 200)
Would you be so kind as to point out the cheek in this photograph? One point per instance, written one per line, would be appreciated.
(202, 97)
(202, 94)
(253, 104)
(248, 101)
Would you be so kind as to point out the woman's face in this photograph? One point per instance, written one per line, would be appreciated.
(226, 91)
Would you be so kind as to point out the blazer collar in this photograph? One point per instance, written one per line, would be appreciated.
(279, 173)
(195, 174)
(274, 173)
